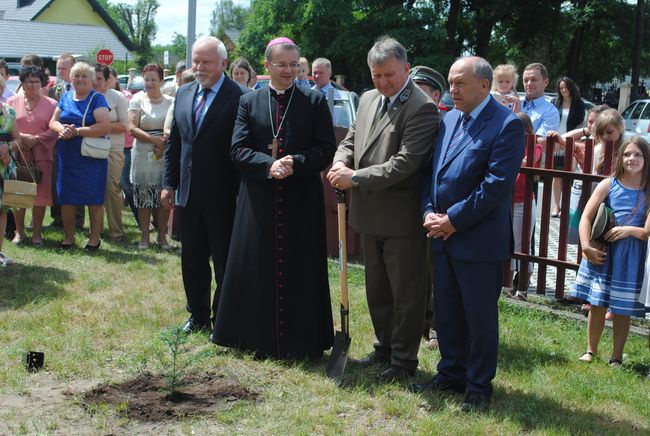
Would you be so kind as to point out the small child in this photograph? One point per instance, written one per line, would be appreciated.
(611, 273)
(504, 86)
(518, 198)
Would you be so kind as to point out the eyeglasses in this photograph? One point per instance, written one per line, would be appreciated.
(284, 66)
(33, 82)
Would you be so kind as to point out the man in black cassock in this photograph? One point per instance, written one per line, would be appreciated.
(275, 299)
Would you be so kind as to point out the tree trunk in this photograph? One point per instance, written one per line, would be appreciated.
(452, 26)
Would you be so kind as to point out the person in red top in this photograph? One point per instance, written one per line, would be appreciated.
(518, 197)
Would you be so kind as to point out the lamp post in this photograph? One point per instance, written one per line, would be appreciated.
(191, 31)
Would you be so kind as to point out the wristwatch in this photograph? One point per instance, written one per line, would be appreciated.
(355, 179)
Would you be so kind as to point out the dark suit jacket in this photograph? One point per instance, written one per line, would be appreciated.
(389, 161)
(197, 163)
(474, 184)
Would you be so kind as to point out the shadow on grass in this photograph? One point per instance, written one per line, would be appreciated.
(112, 252)
(23, 284)
(516, 358)
(120, 256)
(538, 413)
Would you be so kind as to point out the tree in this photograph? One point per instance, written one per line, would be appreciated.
(138, 22)
(178, 46)
(227, 16)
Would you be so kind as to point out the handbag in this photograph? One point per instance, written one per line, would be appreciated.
(28, 172)
(603, 223)
(96, 148)
(19, 194)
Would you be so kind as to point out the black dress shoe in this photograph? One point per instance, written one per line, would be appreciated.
(475, 402)
(435, 385)
(193, 326)
(395, 374)
(372, 359)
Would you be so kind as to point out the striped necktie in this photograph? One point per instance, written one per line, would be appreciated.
(200, 105)
(459, 135)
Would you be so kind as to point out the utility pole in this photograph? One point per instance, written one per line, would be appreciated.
(191, 31)
(638, 46)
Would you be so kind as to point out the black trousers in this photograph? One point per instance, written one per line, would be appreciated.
(205, 236)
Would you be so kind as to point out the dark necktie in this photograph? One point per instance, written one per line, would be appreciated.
(200, 105)
(381, 112)
(459, 135)
(67, 87)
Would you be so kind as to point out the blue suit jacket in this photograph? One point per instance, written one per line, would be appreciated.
(473, 186)
(197, 162)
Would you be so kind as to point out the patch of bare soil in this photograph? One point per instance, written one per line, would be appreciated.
(146, 397)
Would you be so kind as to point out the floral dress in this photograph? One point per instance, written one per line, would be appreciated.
(7, 170)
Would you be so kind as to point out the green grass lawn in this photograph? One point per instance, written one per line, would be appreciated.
(99, 317)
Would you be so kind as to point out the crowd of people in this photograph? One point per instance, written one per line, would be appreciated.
(435, 197)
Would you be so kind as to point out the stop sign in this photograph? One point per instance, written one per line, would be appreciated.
(105, 57)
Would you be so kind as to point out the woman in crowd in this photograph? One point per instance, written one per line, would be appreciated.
(80, 180)
(125, 178)
(572, 114)
(241, 72)
(33, 114)
(611, 272)
(147, 112)
(118, 114)
(9, 142)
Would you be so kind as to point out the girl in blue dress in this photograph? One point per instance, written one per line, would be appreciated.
(611, 274)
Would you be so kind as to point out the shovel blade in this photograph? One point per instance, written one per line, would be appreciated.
(338, 358)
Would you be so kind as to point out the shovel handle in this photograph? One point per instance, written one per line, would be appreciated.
(343, 255)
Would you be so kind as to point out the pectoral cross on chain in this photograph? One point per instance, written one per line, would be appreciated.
(274, 148)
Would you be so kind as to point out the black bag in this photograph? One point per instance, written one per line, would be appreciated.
(28, 172)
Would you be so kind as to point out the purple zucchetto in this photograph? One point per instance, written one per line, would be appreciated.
(280, 40)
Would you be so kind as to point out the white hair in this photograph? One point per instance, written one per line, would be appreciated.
(211, 40)
(84, 68)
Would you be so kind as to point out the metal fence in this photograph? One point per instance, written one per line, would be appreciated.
(545, 173)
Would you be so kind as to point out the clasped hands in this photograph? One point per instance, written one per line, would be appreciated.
(438, 225)
(69, 131)
(282, 168)
(340, 176)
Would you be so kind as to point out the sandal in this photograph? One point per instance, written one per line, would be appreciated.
(4, 260)
(521, 296)
(615, 363)
(587, 357)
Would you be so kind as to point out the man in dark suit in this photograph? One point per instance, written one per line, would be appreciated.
(466, 204)
(382, 160)
(201, 178)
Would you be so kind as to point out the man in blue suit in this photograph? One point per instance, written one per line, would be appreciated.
(466, 204)
(200, 177)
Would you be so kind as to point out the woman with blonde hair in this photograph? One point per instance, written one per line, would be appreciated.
(81, 180)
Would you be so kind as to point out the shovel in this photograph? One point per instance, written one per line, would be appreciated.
(339, 356)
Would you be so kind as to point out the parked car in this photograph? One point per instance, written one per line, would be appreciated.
(123, 79)
(637, 119)
(135, 85)
(13, 82)
(344, 110)
(446, 103)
